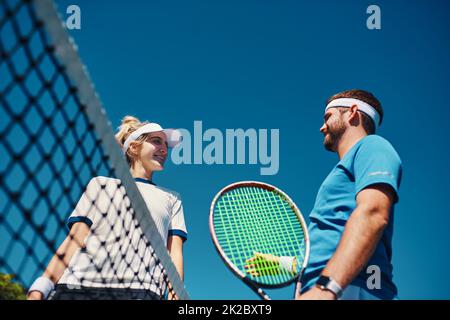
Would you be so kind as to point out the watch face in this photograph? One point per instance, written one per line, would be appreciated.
(323, 281)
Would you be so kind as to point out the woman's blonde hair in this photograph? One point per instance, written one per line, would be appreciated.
(128, 126)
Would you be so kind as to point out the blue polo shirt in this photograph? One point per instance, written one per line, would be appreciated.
(372, 160)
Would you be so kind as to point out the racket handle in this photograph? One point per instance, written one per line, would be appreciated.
(262, 294)
(298, 282)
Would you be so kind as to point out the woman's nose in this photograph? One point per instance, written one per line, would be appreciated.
(163, 149)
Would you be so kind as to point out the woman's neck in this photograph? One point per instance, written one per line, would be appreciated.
(139, 172)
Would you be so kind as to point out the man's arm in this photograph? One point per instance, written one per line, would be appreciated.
(362, 233)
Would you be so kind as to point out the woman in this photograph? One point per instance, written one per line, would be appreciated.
(105, 255)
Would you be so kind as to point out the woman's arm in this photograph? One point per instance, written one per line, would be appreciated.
(175, 247)
(63, 255)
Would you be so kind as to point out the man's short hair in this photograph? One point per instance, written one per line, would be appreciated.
(367, 97)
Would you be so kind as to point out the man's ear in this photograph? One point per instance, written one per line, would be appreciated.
(353, 117)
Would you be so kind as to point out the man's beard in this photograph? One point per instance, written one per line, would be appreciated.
(335, 132)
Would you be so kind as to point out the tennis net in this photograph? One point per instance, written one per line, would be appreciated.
(59, 158)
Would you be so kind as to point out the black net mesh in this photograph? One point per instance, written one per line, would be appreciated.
(52, 168)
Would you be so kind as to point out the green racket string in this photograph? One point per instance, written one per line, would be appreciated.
(252, 219)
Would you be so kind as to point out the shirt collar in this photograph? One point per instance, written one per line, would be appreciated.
(144, 181)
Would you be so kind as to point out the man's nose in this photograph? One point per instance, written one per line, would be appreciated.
(323, 128)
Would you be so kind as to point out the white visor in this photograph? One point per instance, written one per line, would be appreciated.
(362, 106)
(173, 136)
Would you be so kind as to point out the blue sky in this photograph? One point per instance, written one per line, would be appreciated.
(272, 64)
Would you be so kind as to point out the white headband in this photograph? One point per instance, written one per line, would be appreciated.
(173, 136)
(362, 106)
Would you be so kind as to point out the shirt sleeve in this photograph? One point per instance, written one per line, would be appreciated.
(177, 224)
(87, 209)
(376, 162)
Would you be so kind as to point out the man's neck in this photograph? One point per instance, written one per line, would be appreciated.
(348, 140)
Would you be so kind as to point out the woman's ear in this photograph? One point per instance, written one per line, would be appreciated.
(133, 148)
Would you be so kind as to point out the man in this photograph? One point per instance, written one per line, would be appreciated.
(351, 224)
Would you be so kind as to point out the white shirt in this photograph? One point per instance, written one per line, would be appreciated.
(116, 253)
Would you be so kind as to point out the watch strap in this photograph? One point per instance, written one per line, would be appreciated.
(328, 283)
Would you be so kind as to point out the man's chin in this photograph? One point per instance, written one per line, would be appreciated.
(329, 145)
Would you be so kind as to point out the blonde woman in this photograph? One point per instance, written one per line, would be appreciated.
(105, 255)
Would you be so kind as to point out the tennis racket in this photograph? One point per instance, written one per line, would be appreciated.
(256, 228)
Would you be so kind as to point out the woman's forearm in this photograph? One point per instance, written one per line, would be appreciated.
(177, 258)
(175, 247)
(65, 252)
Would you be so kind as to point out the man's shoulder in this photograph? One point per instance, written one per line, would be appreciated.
(373, 143)
(371, 147)
(374, 139)
(377, 148)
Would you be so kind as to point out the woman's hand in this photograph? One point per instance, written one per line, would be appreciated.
(35, 295)
(263, 264)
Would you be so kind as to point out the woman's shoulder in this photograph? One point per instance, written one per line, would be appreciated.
(102, 182)
(108, 182)
(171, 193)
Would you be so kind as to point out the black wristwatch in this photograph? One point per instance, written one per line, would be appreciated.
(327, 283)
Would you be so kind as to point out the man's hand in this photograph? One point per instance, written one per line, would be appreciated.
(317, 294)
(314, 293)
(35, 295)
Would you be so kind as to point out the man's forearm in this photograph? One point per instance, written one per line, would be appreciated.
(359, 240)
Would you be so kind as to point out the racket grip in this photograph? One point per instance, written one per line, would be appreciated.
(262, 294)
